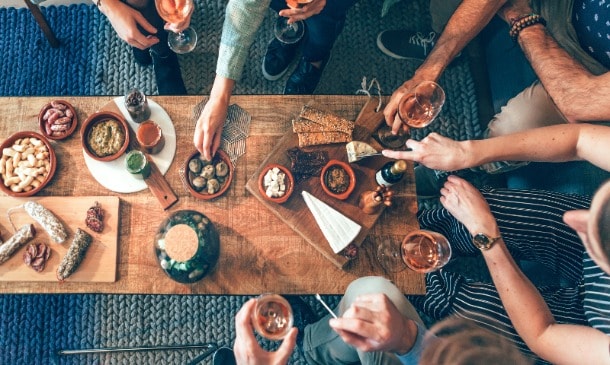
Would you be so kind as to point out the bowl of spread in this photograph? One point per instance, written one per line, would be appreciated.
(276, 183)
(57, 120)
(187, 246)
(150, 137)
(208, 179)
(29, 163)
(338, 179)
(105, 136)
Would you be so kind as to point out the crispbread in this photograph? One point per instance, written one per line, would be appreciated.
(307, 126)
(313, 139)
(328, 120)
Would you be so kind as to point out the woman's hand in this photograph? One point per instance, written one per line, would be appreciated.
(435, 152)
(178, 27)
(311, 9)
(125, 21)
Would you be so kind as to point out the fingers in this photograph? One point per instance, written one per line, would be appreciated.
(243, 323)
(285, 350)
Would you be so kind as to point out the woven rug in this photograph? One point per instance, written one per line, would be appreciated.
(92, 60)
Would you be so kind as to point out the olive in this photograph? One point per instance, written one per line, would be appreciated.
(195, 166)
(222, 169)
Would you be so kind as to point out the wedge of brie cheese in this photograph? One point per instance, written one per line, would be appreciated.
(356, 150)
(338, 229)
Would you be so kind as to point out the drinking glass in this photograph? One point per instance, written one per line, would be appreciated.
(290, 33)
(272, 318)
(425, 251)
(176, 11)
(416, 110)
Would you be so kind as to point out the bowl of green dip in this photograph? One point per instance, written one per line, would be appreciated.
(105, 136)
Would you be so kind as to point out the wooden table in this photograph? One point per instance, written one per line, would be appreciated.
(258, 252)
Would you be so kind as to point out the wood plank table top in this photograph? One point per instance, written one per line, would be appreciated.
(259, 253)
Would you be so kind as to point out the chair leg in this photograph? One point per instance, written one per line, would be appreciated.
(42, 22)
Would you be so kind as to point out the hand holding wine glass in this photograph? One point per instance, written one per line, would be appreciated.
(421, 251)
(177, 12)
(290, 32)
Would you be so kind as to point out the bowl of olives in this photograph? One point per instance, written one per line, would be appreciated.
(208, 179)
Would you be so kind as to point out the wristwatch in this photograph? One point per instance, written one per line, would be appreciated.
(483, 241)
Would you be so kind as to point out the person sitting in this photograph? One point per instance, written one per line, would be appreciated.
(139, 25)
(324, 22)
(376, 325)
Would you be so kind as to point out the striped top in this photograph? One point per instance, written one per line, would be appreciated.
(597, 295)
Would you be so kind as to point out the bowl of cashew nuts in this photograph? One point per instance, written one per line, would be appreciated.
(27, 164)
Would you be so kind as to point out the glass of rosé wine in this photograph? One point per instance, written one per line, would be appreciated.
(290, 33)
(272, 317)
(421, 251)
(176, 11)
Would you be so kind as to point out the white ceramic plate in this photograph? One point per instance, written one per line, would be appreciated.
(113, 175)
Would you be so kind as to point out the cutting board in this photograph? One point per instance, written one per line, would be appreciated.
(100, 262)
(295, 213)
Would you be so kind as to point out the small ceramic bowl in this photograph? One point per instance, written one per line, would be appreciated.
(35, 186)
(150, 137)
(332, 179)
(57, 127)
(289, 181)
(191, 174)
(119, 128)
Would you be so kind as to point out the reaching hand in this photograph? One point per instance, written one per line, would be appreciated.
(311, 9)
(209, 127)
(468, 206)
(373, 323)
(248, 351)
(435, 152)
(125, 21)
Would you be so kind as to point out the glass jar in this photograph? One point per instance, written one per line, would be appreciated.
(137, 105)
(137, 164)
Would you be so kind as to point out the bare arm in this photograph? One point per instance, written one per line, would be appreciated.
(527, 310)
(559, 143)
(465, 23)
(580, 95)
(125, 21)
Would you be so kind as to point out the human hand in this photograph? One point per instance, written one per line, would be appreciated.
(373, 323)
(390, 112)
(467, 205)
(435, 152)
(247, 349)
(311, 9)
(209, 127)
(179, 27)
(125, 21)
(513, 9)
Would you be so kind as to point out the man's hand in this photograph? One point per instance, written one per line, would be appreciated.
(125, 21)
(390, 112)
(373, 323)
(513, 9)
(311, 9)
(435, 152)
(248, 351)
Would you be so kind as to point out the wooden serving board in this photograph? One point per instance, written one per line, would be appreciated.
(295, 213)
(100, 262)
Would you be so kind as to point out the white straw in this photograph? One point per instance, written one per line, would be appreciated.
(319, 298)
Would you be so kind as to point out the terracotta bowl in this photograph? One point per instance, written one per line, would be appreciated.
(328, 168)
(189, 176)
(91, 122)
(42, 123)
(8, 143)
(289, 183)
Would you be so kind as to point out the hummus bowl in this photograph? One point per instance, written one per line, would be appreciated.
(105, 136)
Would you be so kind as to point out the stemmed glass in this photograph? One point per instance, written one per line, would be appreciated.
(290, 33)
(176, 11)
(272, 318)
(415, 110)
(421, 251)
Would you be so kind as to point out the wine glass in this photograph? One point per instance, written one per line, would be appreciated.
(425, 251)
(272, 318)
(389, 255)
(290, 33)
(176, 11)
(416, 110)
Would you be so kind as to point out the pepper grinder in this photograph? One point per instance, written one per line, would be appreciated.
(371, 201)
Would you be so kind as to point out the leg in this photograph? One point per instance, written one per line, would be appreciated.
(322, 345)
(531, 223)
(450, 294)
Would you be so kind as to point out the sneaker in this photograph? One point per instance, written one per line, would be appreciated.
(402, 44)
(277, 59)
(223, 356)
(302, 314)
(305, 78)
(167, 74)
(142, 57)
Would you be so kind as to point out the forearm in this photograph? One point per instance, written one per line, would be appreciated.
(579, 95)
(467, 21)
(222, 89)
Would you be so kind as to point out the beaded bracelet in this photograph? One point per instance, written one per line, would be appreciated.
(522, 22)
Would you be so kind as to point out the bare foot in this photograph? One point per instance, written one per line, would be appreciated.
(468, 206)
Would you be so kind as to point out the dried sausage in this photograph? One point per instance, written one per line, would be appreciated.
(21, 237)
(47, 220)
(74, 256)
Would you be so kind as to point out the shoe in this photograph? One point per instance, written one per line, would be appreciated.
(142, 57)
(167, 74)
(305, 78)
(277, 59)
(302, 316)
(223, 356)
(403, 45)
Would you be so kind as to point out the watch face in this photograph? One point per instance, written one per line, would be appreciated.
(481, 240)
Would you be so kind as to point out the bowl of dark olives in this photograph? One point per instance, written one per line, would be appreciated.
(208, 179)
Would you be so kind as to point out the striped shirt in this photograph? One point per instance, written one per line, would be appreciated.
(597, 295)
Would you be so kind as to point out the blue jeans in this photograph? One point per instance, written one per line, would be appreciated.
(322, 29)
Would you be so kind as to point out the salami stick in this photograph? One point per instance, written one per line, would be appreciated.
(21, 237)
(74, 256)
(46, 219)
